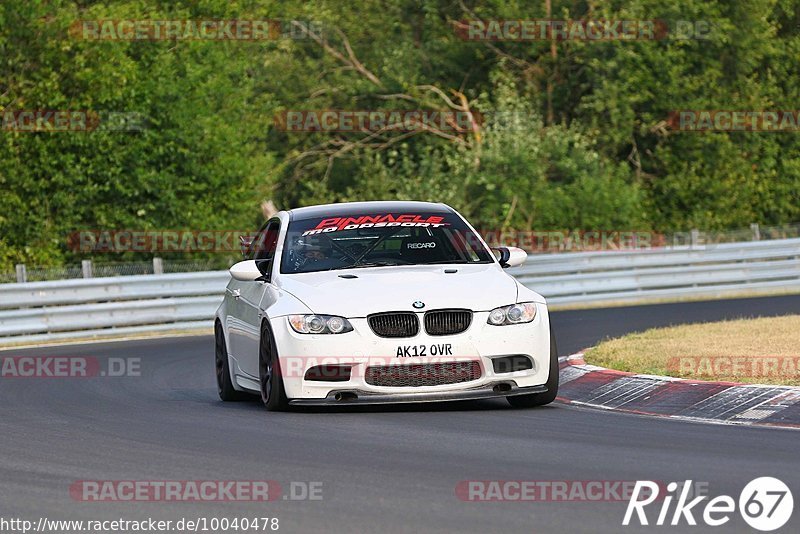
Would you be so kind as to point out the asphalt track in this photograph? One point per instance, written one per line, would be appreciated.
(389, 469)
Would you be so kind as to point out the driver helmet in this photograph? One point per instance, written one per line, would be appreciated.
(312, 248)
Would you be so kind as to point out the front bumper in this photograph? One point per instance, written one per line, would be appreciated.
(347, 397)
(361, 349)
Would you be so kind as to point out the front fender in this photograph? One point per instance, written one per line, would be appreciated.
(279, 303)
(525, 294)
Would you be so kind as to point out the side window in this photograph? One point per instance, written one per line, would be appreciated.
(252, 242)
(264, 246)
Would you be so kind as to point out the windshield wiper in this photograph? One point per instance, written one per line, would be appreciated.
(369, 264)
(453, 262)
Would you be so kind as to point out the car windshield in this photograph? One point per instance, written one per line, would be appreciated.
(380, 240)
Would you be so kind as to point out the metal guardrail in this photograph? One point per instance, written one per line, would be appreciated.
(98, 307)
(117, 288)
(604, 277)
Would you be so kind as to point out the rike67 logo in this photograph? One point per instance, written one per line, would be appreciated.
(765, 504)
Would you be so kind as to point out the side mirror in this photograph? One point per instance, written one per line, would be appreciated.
(246, 271)
(510, 256)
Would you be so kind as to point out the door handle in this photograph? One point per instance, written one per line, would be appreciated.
(236, 293)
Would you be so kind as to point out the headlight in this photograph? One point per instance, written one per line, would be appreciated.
(319, 324)
(514, 314)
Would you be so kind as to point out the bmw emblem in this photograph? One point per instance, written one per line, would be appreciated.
(418, 304)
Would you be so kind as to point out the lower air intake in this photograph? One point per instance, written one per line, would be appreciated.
(424, 374)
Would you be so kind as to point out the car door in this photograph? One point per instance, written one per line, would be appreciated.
(250, 299)
(233, 293)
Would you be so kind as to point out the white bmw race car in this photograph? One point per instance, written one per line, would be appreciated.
(380, 302)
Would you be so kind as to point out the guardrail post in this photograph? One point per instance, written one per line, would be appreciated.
(22, 273)
(86, 268)
(756, 232)
(694, 238)
(158, 266)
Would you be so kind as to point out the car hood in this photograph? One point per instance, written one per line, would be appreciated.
(480, 287)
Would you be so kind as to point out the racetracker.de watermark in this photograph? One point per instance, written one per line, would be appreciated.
(194, 30)
(235, 241)
(175, 490)
(559, 490)
(449, 121)
(534, 241)
(695, 120)
(786, 367)
(49, 120)
(333, 120)
(223, 241)
(194, 490)
(68, 367)
(581, 30)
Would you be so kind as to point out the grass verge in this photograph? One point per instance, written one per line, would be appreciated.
(763, 350)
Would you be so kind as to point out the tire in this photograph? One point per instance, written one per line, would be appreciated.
(225, 387)
(270, 380)
(540, 399)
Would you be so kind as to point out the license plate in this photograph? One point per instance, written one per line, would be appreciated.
(416, 351)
